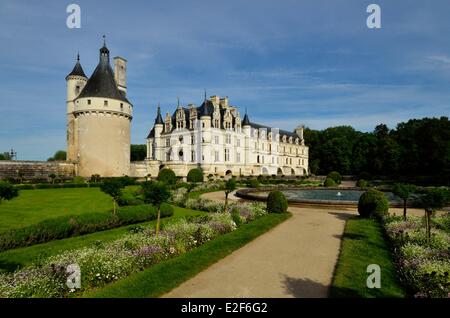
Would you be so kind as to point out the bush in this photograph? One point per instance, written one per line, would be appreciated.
(336, 176)
(68, 226)
(329, 182)
(7, 191)
(167, 176)
(276, 202)
(78, 180)
(373, 203)
(253, 183)
(361, 183)
(195, 175)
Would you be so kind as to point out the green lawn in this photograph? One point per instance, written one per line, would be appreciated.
(364, 244)
(13, 259)
(33, 206)
(167, 275)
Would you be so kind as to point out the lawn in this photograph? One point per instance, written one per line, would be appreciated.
(364, 244)
(17, 258)
(33, 206)
(167, 275)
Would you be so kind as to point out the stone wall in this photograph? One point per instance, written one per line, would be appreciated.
(35, 169)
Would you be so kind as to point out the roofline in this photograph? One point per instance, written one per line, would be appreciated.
(119, 57)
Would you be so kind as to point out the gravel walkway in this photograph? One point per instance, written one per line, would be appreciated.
(295, 259)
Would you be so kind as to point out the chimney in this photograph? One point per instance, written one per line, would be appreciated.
(215, 100)
(224, 102)
(299, 131)
(120, 73)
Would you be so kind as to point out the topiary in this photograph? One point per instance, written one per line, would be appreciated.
(195, 175)
(373, 203)
(361, 183)
(336, 176)
(276, 202)
(167, 176)
(253, 183)
(329, 182)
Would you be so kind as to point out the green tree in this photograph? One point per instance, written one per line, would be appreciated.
(156, 193)
(230, 186)
(7, 191)
(404, 191)
(195, 175)
(167, 176)
(113, 187)
(433, 199)
(138, 152)
(60, 155)
(52, 177)
(5, 156)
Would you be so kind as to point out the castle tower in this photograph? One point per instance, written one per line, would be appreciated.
(102, 118)
(76, 80)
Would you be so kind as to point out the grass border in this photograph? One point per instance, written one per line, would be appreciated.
(165, 276)
(363, 243)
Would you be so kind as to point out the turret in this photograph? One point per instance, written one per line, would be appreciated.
(159, 124)
(299, 131)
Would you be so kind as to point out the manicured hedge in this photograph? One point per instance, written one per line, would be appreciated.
(68, 226)
(276, 202)
(195, 175)
(56, 186)
(373, 203)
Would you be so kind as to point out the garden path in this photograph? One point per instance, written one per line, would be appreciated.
(295, 259)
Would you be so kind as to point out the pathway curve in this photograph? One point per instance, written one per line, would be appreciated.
(295, 259)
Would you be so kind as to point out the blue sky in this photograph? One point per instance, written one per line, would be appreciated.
(289, 62)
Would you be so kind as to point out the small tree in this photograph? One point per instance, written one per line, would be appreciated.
(433, 199)
(404, 191)
(373, 203)
(276, 202)
(112, 187)
(336, 176)
(7, 191)
(195, 175)
(95, 178)
(230, 186)
(167, 176)
(156, 193)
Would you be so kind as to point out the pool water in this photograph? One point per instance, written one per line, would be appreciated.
(330, 195)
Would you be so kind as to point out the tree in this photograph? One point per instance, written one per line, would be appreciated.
(167, 176)
(113, 187)
(60, 155)
(138, 152)
(195, 175)
(7, 191)
(52, 177)
(276, 202)
(404, 191)
(156, 193)
(433, 199)
(230, 186)
(5, 156)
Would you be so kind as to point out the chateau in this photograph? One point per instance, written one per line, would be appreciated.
(212, 136)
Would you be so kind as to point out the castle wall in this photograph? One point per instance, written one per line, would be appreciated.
(35, 169)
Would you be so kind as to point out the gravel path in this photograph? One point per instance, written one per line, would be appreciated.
(295, 259)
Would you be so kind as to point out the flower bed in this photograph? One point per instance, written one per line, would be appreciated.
(424, 267)
(103, 263)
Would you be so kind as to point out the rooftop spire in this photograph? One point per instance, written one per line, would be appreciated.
(159, 120)
(104, 40)
(245, 121)
(77, 69)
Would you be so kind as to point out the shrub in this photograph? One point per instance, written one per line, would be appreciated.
(78, 180)
(361, 183)
(253, 183)
(167, 176)
(373, 203)
(68, 226)
(7, 191)
(195, 175)
(276, 202)
(336, 176)
(329, 182)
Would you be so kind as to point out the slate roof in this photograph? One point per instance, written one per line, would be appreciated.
(102, 82)
(77, 69)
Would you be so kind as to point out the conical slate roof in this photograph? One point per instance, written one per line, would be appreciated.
(77, 69)
(159, 120)
(102, 83)
(246, 121)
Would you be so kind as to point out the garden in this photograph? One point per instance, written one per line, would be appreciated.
(132, 228)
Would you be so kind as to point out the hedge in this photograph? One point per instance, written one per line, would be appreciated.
(276, 202)
(195, 175)
(373, 203)
(56, 186)
(68, 226)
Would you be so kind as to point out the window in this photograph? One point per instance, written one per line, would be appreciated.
(228, 139)
(216, 156)
(89, 101)
(238, 142)
(238, 157)
(262, 147)
(216, 140)
(203, 125)
(77, 89)
(227, 155)
(257, 159)
(192, 155)
(168, 142)
(105, 103)
(121, 106)
(192, 140)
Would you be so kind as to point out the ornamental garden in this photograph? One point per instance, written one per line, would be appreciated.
(110, 230)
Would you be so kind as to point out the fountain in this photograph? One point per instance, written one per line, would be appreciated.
(339, 194)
